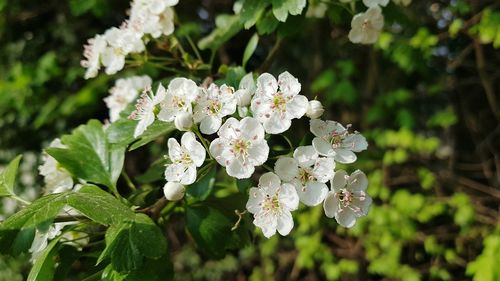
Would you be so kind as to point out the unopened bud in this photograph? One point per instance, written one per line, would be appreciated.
(174, 191)
(314, 109)
(183, 121)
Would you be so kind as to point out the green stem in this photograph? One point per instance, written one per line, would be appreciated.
(128, 180)
(203, 141)
(195, 49)
(267, 168)
(25, 202)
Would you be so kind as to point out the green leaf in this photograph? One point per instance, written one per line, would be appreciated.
(8, 177)
(90, 201)
(154, 131)
(281, 8)
(250, 49)
(226, 27)
(99, 205)
(90, 156)
(204, 184)
(267, 24)
(121, 132)
(129, 242)
(42, 210)
(44, 266)
(211, 229)
(147, 237)
(251, 11)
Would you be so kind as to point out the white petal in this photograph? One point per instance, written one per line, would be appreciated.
(210, 124)
(288, 197)
(344, 156)
(266, 85)
(355, 142)
(174, 149)
(363, 205)
(285, 223)
(306, 156)
(267, 224)
(346, 217)
(143, 124)
(174, 172)
(183, 121)
(288, 84)
(195, 149)
(286, 168)
(331, 204)
(217, 149)
(313, 193)
(277, 123)
(270, 182)
(258, 153)
(189, 176)
(228, 129)
(323, 169)
(239, 169)
(323, 147)
(167, 114)
(251, 129)
(255, 197)
(339, 180)
(297, 107)
(357, 181)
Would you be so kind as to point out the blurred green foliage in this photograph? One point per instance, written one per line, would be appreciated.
(418, 95)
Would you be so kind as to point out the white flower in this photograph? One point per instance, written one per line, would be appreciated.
(40, 241)
(184, 121)
(271, 204)
(402, 2)
(347, 200)
(366, 27)
(181, 93)
(145, 107)
(155, 17)
(314, 109)
(56, 178)
(174, 191)
(374, 3)
(244, 94)
(240, 147)
(123, 93)
(276, 103)
(185, 158)
(92, 53)
(121, 42)
(212, 106)
(333, 140)
(308, 173)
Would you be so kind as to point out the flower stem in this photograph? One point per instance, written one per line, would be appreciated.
(203, 141)
(128, 180)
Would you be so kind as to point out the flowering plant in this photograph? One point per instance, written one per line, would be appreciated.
(227, 148)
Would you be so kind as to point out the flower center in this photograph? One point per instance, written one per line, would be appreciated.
(179, 102)
(305, 175)
(271, 203)
(240, 147)
(214, 106)
(185, 158)
(366, 24)
(279, 102)
(345, 197)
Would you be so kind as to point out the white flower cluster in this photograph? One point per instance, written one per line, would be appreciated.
(241, 119)
(124, 92)
(366, 27)
(147, 17)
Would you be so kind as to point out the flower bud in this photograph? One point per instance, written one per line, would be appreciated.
(314, 109)
(174, 191)
(183, 121)
(243, 97)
